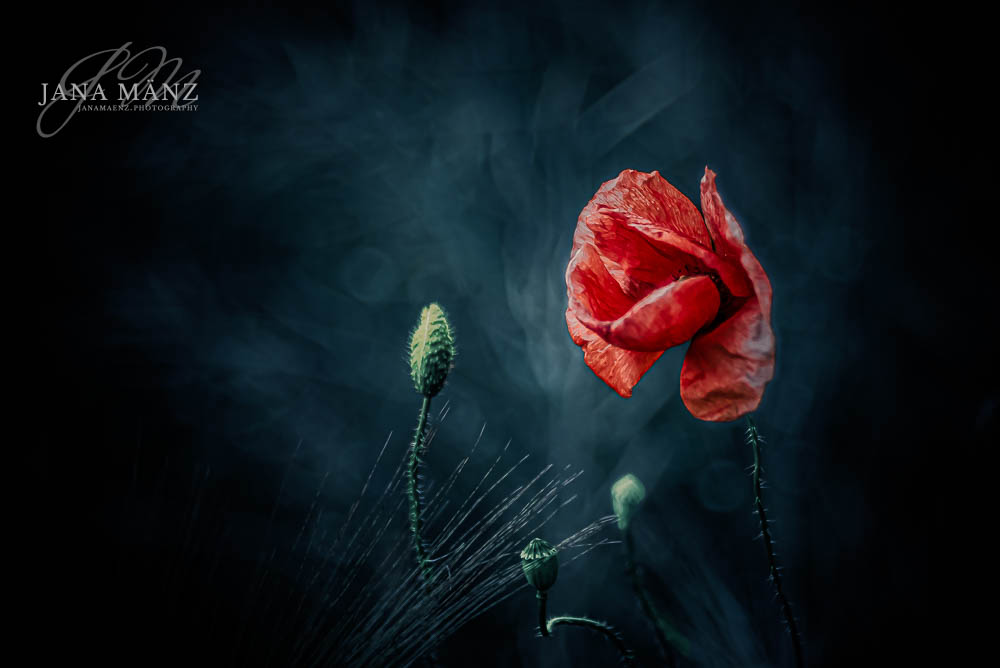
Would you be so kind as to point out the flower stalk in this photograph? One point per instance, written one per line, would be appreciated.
(414, 491)
(645, 603)
(540, 562)
(754, 439)
(542, 597)
(608, 631)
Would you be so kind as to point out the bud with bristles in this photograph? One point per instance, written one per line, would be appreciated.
(626, 495)
(540, 562)
(432, 351)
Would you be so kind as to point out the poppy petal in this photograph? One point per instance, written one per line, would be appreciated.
(621, 369)
(666, 317)
(684, 252)
(623, 215)
(631, 258)
(591, 287)
(726, 369)
(595, 294)
(649, 198)
(727, 235)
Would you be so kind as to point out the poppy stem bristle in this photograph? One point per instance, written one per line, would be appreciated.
(754, 440)
(414, 491)
(416, 494)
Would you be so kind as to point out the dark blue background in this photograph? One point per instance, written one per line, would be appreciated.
(224, 296)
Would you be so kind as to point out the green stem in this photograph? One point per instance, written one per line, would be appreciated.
(416, 495)
(607, 630)
(414, 492)
(753, 438)
(645, 603)
(542, 597)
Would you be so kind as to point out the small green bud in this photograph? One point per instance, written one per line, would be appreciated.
(626, 495)
(432, 351)
(540, 562)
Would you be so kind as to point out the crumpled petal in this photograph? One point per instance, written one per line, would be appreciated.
(666, 317)
(692, 256)
(727, 235)
(621, 369)
(595, 294)
(726, 368)
(651, 199)
(591, 287)
(621, 216)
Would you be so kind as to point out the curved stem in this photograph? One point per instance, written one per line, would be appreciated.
(753, 438)
(607, 630)
(644, 602)
(542, 597)
(414, 492)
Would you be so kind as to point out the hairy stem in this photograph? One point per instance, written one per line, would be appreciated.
(542, 598)
(607, 630)
(754, 439)
(644, 601)
(414, 491)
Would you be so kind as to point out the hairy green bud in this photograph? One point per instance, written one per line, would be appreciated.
(432, 351)
(540, 563)
(626, 495)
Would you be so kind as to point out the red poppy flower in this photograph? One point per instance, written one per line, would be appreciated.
(649, 272)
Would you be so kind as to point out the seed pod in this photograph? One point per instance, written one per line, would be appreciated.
(626, 495)
(432, 351)
(540, 562)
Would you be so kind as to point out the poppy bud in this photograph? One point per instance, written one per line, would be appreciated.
(626, 495)
(432, 351)
(540, 562)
